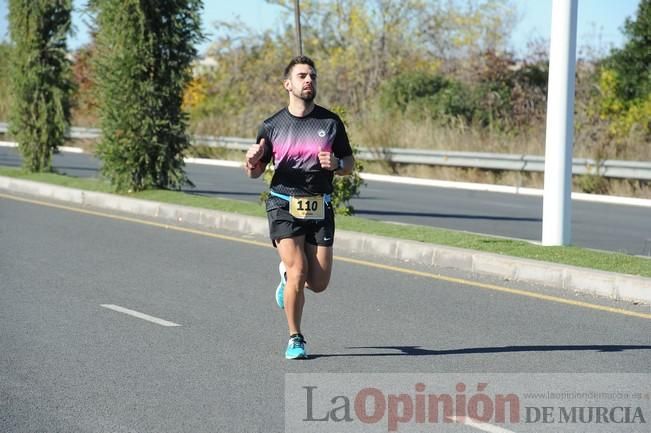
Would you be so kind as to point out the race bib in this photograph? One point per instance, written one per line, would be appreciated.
(307, 208)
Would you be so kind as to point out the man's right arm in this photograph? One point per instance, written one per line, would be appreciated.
(253, 164)
(254, 171)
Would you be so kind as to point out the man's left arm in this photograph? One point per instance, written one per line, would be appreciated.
(345, 165)
(342, 151)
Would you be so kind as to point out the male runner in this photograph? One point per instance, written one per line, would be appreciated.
(308, 145)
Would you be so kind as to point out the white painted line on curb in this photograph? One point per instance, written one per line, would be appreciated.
(215, 162)
(611, 199)
(71, 149)
(490, 428)
(68, 149)
(139, 315)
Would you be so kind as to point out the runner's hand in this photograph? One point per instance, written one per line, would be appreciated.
(328, 161)
(254, 153)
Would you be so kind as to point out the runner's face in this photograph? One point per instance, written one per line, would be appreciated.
(302, 82)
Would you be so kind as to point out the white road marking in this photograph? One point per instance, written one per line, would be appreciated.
(490, 428)
(139, 315)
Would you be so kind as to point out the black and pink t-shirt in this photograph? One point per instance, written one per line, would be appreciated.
(294, 144)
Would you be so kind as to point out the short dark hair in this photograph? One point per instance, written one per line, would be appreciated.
(298, 60)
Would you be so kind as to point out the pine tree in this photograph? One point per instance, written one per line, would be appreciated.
(41, 80)
(144, 53)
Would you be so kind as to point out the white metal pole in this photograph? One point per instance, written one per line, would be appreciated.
(557, 204)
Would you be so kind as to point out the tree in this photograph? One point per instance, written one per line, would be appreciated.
(357, 44)
(625, 84)
(144, 53)
(246, 83)
(41, 82)
(632, 63)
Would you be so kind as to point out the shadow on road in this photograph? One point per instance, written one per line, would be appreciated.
(214, 192)
(443, 215)
(61, 169)
(420, 351)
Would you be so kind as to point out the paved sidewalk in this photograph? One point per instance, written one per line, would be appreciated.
(610, 284)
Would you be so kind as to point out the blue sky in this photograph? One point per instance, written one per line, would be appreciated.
(599, 21)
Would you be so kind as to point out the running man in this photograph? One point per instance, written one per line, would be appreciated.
(308, 145)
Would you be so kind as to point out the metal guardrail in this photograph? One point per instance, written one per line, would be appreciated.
(490, 161)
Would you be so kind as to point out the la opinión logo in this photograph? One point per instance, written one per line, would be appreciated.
(373, 406)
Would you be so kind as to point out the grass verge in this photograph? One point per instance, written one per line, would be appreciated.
(575, 256)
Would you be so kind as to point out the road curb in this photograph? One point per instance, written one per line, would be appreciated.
(609, 284)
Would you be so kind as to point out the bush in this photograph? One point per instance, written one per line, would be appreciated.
(593, 184)
(407, 88)
(423, 95)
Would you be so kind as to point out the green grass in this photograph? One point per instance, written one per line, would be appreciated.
(607, 261)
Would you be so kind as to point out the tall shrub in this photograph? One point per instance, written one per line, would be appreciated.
(5, 89)
(40, 77)
(143, 63)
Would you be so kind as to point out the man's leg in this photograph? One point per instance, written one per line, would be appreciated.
(318, 250)
(292, 253)
(319, 265)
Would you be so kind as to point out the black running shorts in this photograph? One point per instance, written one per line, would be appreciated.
(317, 232)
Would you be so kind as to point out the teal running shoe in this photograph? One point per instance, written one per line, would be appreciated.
(296, 347)
(280, 290)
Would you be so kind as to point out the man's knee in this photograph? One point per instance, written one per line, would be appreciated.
(317, 286)
(297, 272)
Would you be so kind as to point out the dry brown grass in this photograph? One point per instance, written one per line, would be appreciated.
(376, 131)
(590, 141)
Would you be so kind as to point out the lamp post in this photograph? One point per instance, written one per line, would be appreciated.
(557, 200)
(297, 28)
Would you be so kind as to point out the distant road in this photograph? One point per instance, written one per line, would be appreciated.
(594, 225)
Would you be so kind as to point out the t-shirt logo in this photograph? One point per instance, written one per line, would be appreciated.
(321, 133)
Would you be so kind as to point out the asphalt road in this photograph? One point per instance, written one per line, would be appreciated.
(594, 225)
(69, 365)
